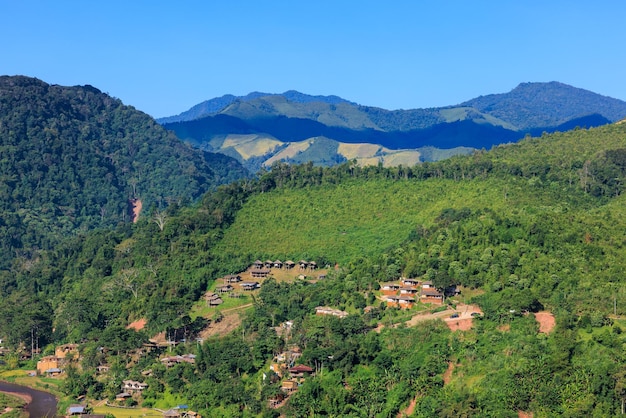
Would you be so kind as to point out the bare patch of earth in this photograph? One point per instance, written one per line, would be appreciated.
(138, 325)
(546, 321)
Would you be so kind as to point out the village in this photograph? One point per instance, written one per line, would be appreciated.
(285, 368)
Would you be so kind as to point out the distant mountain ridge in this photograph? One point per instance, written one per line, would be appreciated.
(215, 105)
(292, 117)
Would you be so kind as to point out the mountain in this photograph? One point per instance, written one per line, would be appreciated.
(215, 105)
(73, 158)
(290, 118)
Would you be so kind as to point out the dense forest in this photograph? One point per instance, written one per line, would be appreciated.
(525, 227)
(73, 158)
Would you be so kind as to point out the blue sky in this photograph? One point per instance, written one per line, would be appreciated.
(164, 57)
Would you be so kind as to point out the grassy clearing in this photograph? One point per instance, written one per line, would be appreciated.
(126, 412)
(338, 223)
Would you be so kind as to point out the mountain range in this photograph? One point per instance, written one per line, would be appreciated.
(259, 128)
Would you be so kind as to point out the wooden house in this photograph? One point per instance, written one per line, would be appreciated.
(258, 264)
(407, 291)
(404, 302)
(300, 371)
(278, 264)
(410, 282)
(232, 278)
(132, 386)
(325, 310)
(289, 386)
(431, 295)
(289, 264)
(389, 289)
(224, 289)
(249, 286)
(260, 273)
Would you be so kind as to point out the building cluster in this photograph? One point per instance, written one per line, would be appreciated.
(290, 374)
(407, 292)
(54, 365)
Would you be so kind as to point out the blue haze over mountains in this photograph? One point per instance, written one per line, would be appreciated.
(483, 122)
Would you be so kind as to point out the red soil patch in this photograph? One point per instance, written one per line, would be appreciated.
(522, 414)
(409, 410)
(459, 324)
(447, 375)
(546, 321)
(135, 205)
(138, 325)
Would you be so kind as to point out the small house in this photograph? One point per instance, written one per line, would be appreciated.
(278, 264)
(289, 386)
(232, 278)
(389, 288)
(431, 295)
(260, 273)
(249, 286)
(289, 264)
(66, 349)
(300, 371)
(410, 282)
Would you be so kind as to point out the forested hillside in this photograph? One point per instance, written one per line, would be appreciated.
(527, 227)
(73, 158)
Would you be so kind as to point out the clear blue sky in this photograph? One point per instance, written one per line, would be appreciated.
(163, 57)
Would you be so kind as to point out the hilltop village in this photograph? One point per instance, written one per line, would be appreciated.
(287, 370)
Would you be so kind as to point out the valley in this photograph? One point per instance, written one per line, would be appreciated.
(485, 284)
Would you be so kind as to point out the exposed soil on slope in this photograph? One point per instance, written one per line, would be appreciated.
(138, 325)
(546, 321)
(135, 205)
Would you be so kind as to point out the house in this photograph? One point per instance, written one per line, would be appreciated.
(232, 278)
(404, 302)
(278, 264)
(76, 410)
(132, 386)
(389, 288)
(224, 289)
(122, 396)
(47, 363)
(300, 371)
(431, 295)
(249, 286)
(260, 273)
(406, 291)
(55, 371)
(258, 264)
(289, 386)
(289, 264)
(427, 285)
(212, 299)
(312, 265)
(171, 413)
(324, 310)
(185, 358)
(410, 282)
(268, 264)
(66, 349)
(103, 369)
(303, 264)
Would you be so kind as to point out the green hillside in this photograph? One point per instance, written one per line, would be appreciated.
(73, 158)
(528, 228)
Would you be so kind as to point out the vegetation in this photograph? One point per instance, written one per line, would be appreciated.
(527, 227)
(73, 158)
